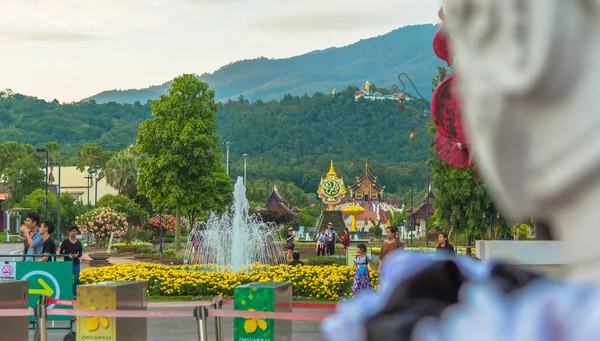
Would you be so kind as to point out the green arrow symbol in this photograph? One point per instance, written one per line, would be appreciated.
(46, 289)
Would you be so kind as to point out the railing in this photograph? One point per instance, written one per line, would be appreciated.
(201, 311)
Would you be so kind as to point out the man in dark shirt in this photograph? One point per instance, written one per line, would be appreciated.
(296, 259)
(48, 246)
(74, 249)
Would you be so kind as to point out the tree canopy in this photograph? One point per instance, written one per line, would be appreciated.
(180, 163)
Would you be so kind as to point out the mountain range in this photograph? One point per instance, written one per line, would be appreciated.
(379, 60)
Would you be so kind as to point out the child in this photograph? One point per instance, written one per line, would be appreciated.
(362, 279)
(321, 243)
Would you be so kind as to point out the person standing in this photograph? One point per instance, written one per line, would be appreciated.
(48, 246)
(32, 237)
(346, 239)
(444, 248)
(290, 243)
(362, 278)
(321, 243)
(72, 247)
(392, 243)
(330, 237)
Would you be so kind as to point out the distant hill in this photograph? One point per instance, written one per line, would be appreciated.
(378, 60)
(292, 139)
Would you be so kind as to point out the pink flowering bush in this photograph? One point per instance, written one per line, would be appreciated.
(154, 224)
(102, 222)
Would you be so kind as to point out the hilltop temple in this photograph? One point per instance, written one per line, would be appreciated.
(368, 194)
(368, 94)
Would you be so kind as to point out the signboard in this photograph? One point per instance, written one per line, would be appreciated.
(262, 297)
(8, 271)
(352, 252)
(53, 279)
(96, 327)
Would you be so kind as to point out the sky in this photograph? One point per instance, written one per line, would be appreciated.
(73, 49)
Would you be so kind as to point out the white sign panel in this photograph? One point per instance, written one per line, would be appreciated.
(8, 271)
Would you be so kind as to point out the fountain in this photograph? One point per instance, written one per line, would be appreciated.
(355, 237)
(307, 238)
(235, 239)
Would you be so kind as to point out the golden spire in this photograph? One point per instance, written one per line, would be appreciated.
(331, 170)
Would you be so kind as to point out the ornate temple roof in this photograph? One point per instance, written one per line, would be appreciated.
(419, 212)
(275, 203)
(366, 177)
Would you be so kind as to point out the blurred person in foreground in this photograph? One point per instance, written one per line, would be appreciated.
(521, 107)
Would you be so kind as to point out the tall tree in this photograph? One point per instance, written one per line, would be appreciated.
(180, 162)
(23, 177)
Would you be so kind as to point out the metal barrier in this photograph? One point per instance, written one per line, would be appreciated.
(202, 310)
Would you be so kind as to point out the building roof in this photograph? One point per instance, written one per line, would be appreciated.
(275, 203)
(366, 177)
(420, 211)
(103, 189)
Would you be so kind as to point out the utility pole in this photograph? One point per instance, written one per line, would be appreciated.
(58, 204)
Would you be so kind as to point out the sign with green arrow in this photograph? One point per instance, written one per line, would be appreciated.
(53, 279)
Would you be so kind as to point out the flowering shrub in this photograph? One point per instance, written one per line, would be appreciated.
(154, 224)
(102, 222)
(328, 282)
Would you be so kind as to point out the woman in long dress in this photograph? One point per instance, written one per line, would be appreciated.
(362, 278)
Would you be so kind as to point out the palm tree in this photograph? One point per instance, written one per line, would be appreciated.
(120, 170)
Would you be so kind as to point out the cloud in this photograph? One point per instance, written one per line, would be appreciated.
(89, 17)
(46, 36)
(326, 20)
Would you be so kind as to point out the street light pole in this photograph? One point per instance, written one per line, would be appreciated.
(44, 150)
(227, 144)
(58, 204)
(245, 156)
(96, 191)
(88, 190)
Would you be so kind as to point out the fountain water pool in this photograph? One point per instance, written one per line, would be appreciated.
(235, 239)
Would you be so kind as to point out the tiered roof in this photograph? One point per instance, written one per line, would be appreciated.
(366, 177)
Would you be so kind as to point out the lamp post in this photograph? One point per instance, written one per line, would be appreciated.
(245, 156)
(88, 190)
(160, 229)
(227, 145)
(96, 191)
(401, 96)
(58, 204)
(44, 150)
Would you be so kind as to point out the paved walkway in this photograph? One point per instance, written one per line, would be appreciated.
(181, 328)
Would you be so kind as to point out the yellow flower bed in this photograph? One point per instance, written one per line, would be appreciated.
(328, 282)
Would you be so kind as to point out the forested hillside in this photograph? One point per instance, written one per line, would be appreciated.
(291, 140)
(379, 60)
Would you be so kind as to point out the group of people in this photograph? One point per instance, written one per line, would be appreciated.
(362, 261)
(40, 247)
(326, 240)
